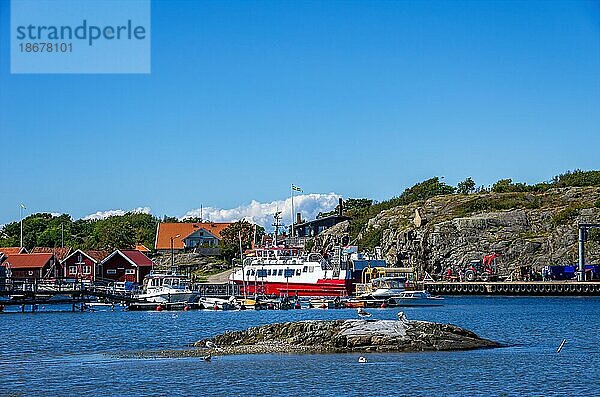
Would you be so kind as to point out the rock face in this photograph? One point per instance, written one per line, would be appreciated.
(339, 336)
(535, 229)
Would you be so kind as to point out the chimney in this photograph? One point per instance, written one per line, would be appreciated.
(298, 218)
(341, 207)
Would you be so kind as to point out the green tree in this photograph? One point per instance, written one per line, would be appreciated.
(424, 190)
(115, 232)
(229, 246)
(502, 186)
(467, 186)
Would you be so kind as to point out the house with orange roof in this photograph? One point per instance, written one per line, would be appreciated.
(6, 251)
(201, 237)
(59, 252)
(12, 250)
(33, 266)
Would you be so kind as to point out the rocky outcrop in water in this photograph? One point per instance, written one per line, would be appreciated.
(341, 336)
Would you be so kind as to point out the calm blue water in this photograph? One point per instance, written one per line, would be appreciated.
(64, 354)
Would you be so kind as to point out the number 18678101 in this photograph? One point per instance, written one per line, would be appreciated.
(46, 47)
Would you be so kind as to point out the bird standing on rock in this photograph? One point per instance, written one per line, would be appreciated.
(363, 313)
(402, 316)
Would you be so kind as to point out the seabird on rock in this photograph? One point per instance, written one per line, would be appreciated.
(362, 312)
(211, 345)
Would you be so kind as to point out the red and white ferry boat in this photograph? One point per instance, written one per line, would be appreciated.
(288, 271)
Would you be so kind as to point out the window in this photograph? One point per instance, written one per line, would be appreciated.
(280, 272)
(305, 269)
(311, 269)
(129, 271)
(72, 269)
(298, 272)
(111, 271)
(87, 270)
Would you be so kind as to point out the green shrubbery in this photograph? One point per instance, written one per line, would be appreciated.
(497, 203)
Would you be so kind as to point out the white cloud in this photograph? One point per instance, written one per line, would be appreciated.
(309, 205)
(106, 214)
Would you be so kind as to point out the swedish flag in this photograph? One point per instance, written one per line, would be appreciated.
(296, 188)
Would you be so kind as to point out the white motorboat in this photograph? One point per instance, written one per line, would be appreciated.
(384, 287)
(218, 303)
(166, 287)
(416, 298)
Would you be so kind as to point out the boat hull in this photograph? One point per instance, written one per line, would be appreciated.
(324, 288)
(166, 297)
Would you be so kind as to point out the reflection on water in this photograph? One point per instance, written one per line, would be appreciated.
(63, 353)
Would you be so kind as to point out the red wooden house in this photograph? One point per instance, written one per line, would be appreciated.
(33, 266)
(83, 265)
(125, 265)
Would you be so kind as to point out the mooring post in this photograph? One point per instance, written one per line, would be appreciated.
(581, 272)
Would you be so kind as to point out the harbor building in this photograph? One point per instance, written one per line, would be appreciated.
(33, 266)
(83, 265)
(201, 237)
(125, 265)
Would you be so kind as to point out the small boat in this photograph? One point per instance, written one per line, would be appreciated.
(384, 287)
(218, 303)
(416, 298)
(324, 303)
(166, 287)
(353, 303)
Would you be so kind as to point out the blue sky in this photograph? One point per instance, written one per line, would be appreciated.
(362, 99)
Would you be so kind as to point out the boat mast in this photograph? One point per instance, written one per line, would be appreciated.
(242, 263)
(277, 225)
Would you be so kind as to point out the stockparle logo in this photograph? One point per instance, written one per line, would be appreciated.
(75, 36)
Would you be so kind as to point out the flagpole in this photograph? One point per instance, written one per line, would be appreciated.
(292, 222)
(21, 213)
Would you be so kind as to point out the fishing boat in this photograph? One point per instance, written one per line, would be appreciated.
(166, 287)
(416, 298)
(279, 271)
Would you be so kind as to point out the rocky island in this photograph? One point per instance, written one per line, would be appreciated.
(344, 336)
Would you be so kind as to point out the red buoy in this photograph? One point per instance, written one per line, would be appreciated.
(159, 308)
(297, 306)
(215, 307)
(186, 308)
(384, 305)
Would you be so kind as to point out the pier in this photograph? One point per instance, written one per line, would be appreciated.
(528, 288)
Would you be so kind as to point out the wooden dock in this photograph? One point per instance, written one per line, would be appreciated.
(525, 288)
